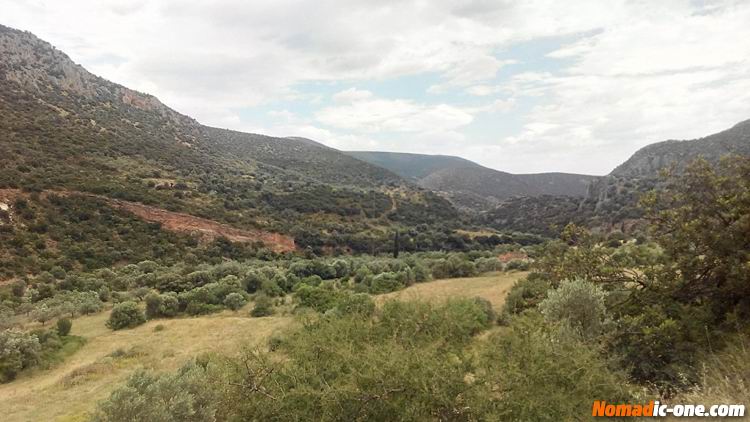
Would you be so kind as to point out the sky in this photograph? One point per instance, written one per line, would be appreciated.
(520, 86)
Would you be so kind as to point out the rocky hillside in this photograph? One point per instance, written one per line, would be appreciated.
(648, 161)
(611, 201)
(471, 186)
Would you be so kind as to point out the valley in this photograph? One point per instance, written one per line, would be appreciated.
(156, 268)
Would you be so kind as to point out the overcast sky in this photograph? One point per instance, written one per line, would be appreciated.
(520, 86)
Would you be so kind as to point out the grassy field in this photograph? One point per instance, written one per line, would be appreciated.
(70, 390)
(493, 287)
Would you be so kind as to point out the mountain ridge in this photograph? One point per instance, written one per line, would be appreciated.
(472, 186)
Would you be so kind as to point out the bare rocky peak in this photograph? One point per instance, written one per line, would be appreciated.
(39, 67)
(649, 160)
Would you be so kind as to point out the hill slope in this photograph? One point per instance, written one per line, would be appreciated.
(65, 129)
(412, 166)
(611, 202)
(649, 160)
(470, 185)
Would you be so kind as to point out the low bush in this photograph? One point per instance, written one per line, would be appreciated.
(263, 306)
(18, 350)
(579, 303)
(63, 326)
(125, 315)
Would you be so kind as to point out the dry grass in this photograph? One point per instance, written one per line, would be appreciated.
(69, 391)
(493, 287)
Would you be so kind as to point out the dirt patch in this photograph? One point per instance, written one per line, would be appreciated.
(208, 229)
(180, 222)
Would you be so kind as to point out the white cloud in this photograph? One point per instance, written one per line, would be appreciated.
(634, 72)
(351, 95)
(364, 113)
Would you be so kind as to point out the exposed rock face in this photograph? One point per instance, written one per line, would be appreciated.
(39, 67)
(648, 161)
(640, 173)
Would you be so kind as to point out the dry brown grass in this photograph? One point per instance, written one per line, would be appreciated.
(68, 392)
(493, 287)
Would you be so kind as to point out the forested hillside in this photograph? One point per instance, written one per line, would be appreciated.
(66, 130)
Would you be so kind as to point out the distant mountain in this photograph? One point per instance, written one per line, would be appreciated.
(611, 201)
(470, 185)
(413, 166)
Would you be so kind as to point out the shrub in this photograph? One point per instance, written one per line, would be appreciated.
(408, 365)
(263, 306)
(18, 350)
(517, 264)
(385, 283)
(153, 305)
(532, 363)
(63, 326)
(526, 293)
(318, 298)
(182, 396)
(125, 315)
(580, 303)
(235, 301)
(486, 306)
(359, 304)
(200, 308)
(170, 305)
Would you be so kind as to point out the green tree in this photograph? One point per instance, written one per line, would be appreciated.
(702, 221)
(43, 313)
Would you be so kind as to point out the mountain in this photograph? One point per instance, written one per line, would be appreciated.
(611, 201)
(412, 166)
(470, 185)
(649, 160)
(68, 132)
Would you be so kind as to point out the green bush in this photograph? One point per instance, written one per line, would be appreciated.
(18, 350)
(170, 305)
(385, 283)
(63, 326)
(153, 305)
(410, 363)
(547, 374)
(578, 302)
(319, 298)
(517, 265)
(263, 306)
(183, 396)
(125, 315)
(358, 303)
(527, 293)
(235, 301)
